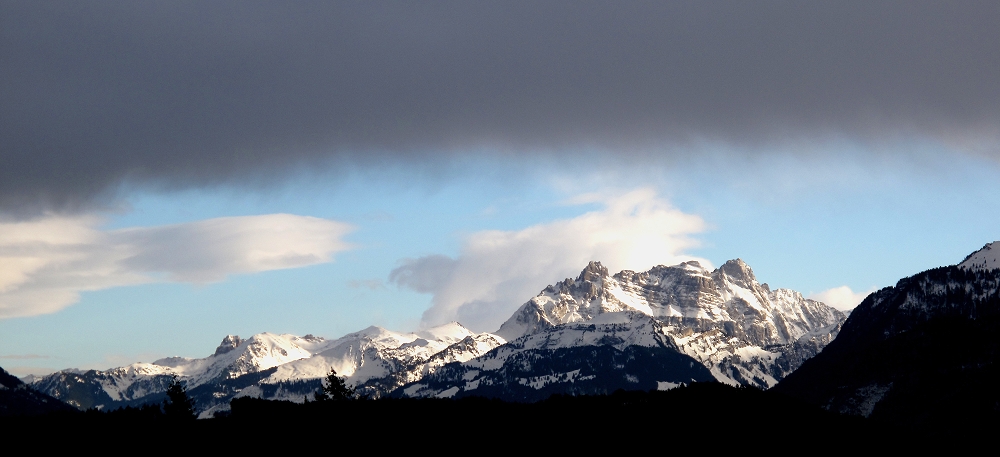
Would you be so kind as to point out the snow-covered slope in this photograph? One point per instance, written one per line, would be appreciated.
(236, 357)
(376, 360)
(741, 330)
(616, 349)
(987, 258)
(272, 359)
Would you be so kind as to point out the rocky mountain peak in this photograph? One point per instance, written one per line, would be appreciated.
(738, 270)
(593, 271)
(229, 343)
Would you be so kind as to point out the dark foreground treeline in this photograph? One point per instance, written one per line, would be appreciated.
(700, 416)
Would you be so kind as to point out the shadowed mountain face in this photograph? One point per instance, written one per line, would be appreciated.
(18, 399)
(921, 353)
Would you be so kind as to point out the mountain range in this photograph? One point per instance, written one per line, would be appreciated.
(591, 334)
(922, 353)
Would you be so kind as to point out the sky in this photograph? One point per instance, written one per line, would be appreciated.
(173, 172)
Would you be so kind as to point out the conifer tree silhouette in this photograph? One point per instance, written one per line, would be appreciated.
(334, 388)
(178, 405)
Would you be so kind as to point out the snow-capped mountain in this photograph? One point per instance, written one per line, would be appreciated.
(638, 330)
(713, 316)
(614, 350)
(987, 258)
(134, 383)
(739, 329)
(924, 350)
(269, 365)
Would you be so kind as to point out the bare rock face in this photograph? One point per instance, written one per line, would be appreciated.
(229, 343)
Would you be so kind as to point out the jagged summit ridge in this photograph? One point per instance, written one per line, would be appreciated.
(685, 293)
(229, 343)
(739, 328)
(594, 271)
(738, 271)
(722, 322)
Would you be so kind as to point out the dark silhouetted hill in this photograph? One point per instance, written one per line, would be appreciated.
(921, 355)
(17, 399)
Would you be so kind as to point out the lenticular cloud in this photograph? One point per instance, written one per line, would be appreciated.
(46, 263)
(497, 271)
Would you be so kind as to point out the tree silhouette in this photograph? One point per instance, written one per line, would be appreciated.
(178, 405)
(335, 388)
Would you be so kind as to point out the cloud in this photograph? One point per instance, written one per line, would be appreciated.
(189, 93)
(46, 263)
(496, 271)
(22, 371)
(24, 356)
(842, 298)
(425, 275)
(370, 284)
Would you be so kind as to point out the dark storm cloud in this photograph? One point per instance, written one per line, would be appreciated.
(182, 93)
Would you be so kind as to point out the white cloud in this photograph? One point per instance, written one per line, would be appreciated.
(497, 271)
(842, 298)
(46, 263)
